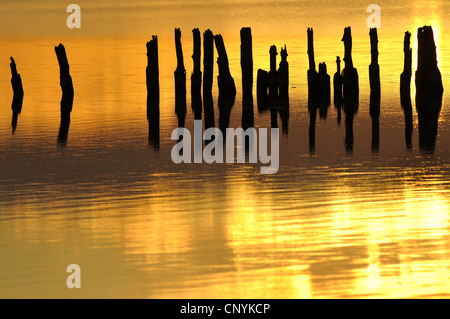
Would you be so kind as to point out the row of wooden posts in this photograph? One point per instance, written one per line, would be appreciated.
(273, 86)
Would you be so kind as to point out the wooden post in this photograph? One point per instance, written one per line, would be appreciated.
(337, 82)
(283, 79)
(196, 77)
(180, 81)
(17, 101)
(208, 70)
(262, 86)
(375, 90)
(247, 78)
(283, 90)
(312, 74)
(152, 73)
(227, 88)
(405, 90)
(67, 93)
(429, 89)
(350, 89)
(323, 89)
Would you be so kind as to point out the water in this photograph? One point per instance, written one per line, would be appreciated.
(141, 226)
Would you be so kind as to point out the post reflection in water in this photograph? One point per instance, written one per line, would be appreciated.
(332, 225)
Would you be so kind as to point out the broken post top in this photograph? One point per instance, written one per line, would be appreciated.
(62, 60)
(180, 64)
(407, 42)
(13, 67)
(246, 33)
(152, 54)
(208, 33)
(322, 68)
(426, 48)
(273, 58)
(347, 39)
(338, 64)
(312, 63)
(283, 54)
(374, 45)
(218, 40)
(152, 43)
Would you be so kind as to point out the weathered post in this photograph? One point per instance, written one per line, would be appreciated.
(17, 101)
(247, 78)
(152, 75)
(180, 81)
(208, 70)
(375, 90)
(196, 77)
(405, 90)
(350, 89)
(337, 82)
(227, 88)
(67, 93)
(312, 74)
(283, 90)
(429, 89)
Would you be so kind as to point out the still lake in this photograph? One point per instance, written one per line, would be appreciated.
(324, 226)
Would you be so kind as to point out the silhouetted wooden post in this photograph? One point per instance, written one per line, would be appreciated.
(375, 89)
(323, 89)
(180, 81)
(273, 86)
(208, 73)
(67, 92)
(152, 75)
(247, 78)
(17, 87)
(227, 88)
(405, 90)
(312, 74)
(350, 89)
(196, 78)
(283, 79)
(429, 89)
(262, 86)
(337, 81)
(283, 90)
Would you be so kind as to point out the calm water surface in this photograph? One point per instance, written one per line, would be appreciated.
(138, 225)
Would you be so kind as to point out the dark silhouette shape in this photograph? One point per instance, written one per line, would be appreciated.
(273, 87)
(247, 81)
(227, 88)
(338, 82)
(323, 89)
(17, 101)
(67, 93)
(180, 82)
(247, 78)
(405, 90)
(312, 74)
(262, 87)
(319, 91)
(375, 90)
(429, 89)
(350, 89)
(283, 90)
(196, 78)
(273, 78)
(152, 73)
(208, 69)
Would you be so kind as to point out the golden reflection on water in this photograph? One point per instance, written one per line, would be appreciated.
(140, 226)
